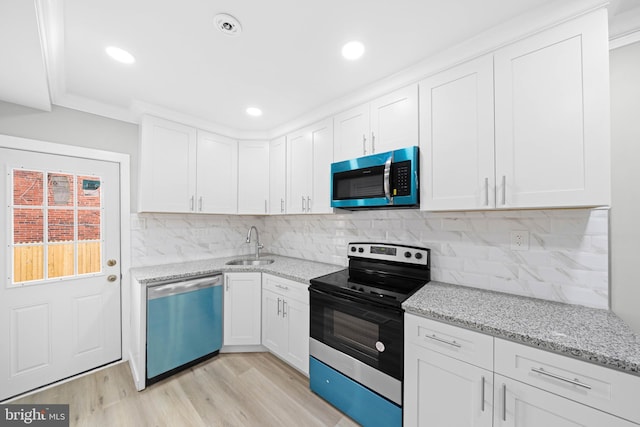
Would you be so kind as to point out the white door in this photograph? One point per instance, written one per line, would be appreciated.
(242, 311)
(299, 165)
(216, 175)
(60, 268)
(322, 146)
(277, 175)
(296, 315)
(253, 177)
(273, 326)
(456, 138)
(352, 130)
(394, 120)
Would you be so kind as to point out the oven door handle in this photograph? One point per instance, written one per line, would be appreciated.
(338, 296)
(387, 180)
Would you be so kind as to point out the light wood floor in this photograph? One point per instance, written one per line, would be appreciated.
(241, 389)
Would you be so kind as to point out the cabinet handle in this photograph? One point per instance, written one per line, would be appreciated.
(482, 395)
(281, 205)
(452, 343)
(286, 288)
(561, 378)
(364, 144)
(308, 204)
(373, 143)
(302, 203)
(504, 189)
(265, 206)
(504, 402)
(191, 203)
(278, 306)
(226, 282)
(284, 308)
(200, 203)
(486, 191)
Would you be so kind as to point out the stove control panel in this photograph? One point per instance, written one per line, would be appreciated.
(389, 252)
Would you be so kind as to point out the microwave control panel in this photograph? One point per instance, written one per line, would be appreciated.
(401, 173)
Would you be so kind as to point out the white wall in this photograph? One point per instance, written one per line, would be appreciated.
(567, 260)
(625, 179)
(72, 127)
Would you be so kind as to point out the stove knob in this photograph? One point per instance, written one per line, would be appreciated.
(418, 255)
(407, 254)
(353, 248)
(360, 250)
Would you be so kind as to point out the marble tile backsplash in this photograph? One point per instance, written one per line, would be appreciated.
(567, 259)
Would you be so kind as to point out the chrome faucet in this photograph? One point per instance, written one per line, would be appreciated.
(258, 244)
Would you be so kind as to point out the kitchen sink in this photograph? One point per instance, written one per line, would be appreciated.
(254, 261)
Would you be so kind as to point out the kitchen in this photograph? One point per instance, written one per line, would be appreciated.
(568, 249)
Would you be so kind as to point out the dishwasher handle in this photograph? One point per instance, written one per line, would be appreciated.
(183, 286)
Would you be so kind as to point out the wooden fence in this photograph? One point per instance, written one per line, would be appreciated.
(28, 261)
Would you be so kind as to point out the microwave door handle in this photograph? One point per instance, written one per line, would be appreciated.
(387, 180)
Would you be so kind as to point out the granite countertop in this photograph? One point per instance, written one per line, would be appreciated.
(589, 334)
(290, 268)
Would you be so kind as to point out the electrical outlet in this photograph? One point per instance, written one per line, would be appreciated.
(520, 240)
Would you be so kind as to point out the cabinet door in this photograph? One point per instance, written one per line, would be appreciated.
(167, 166)
(277, 176)
(299, 168)
(242, 300)
(457, 139)
(394, 120)
(296, 315)
(217, 188)
(273, 323)
(352, 134)
(442, 391)
(552, 117)
(322, 142)
(253, 177)
(522, 405)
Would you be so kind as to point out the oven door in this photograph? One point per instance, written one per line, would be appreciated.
(368, 332)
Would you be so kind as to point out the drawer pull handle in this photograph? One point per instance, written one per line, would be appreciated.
(504, 402)
(561, 378)
(452, 343)
(286, 288)
(482, 394)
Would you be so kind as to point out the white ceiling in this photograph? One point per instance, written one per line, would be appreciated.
(286, 61)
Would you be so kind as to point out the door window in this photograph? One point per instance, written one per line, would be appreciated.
(55, 224)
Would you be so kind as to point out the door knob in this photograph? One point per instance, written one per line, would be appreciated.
(112, 278)
(112, 262)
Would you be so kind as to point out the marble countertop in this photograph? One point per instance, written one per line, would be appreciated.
(589, 334)
(290, 268)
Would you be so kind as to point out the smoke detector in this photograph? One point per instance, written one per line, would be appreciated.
(227, 24)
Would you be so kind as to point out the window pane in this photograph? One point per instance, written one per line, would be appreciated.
(60, 189)
(88, 224)
(28, 226)
(89, 260)
(28, 263)
(27, 188)
(60, 260)
(89, 191)
(60, 225)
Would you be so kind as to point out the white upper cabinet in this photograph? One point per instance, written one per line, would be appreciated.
(277, 176)
(385, 124)
(552, 117)
(217, 172)
(547, 145)
(456, 138)
(167, 166)
(309, 157)
(186, 170)
(253, 177)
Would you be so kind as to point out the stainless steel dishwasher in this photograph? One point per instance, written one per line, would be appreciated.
(184, 324)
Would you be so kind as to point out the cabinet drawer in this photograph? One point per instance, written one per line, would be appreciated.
(471, 347)
(286, 287)
(602, 388)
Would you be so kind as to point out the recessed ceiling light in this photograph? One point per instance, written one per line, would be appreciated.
(353, 50)
(254, 111)
(120, 55)
(227, 24)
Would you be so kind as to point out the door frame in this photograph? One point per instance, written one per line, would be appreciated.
(33, 145)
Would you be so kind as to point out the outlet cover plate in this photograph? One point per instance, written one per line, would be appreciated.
(520, 240)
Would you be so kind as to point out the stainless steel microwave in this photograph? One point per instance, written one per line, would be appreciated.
(380, 180)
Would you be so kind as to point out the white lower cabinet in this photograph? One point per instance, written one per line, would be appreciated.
(448, 382)
(242, 309)
(285, 320)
